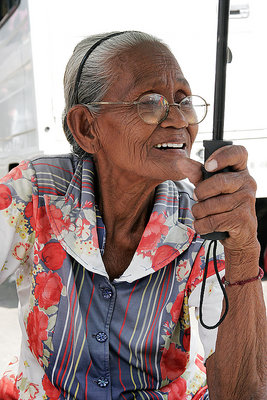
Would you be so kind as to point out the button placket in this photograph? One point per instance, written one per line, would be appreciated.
(98, 332)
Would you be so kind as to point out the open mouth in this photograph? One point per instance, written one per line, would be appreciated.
(169, 146)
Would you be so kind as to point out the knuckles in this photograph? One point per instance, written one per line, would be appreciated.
(232, 155)
(240, 152)
(231, 208)
(241, 224)
(225, 182)
(226, 200)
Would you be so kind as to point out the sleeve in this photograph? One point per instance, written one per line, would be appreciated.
(213, 296)
(16, 230)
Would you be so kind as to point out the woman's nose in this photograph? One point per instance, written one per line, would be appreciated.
(175, 118)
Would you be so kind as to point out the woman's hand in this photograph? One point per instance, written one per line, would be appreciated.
(226, 201)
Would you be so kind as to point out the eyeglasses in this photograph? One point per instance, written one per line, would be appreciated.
(154, 108)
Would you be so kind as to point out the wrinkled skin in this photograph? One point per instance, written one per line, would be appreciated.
(129, 168)
(226, 201)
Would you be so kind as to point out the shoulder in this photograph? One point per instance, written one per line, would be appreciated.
(62, 162)
(54, 173)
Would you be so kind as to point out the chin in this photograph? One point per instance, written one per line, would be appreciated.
(172, 176)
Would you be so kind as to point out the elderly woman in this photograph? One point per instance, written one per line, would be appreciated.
(106, 247)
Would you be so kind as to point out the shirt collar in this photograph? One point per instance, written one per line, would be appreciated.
(167, 235)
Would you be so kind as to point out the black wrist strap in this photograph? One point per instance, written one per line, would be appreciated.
(214, 243)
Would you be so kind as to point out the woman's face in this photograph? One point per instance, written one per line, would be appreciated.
(129, 143)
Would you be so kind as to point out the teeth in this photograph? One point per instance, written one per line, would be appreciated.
(170, 145)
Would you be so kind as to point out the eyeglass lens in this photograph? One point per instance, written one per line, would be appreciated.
(153, 108)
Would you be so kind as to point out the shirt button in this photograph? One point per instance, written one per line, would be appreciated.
(107, 293)
(102, 382)
(101, 337)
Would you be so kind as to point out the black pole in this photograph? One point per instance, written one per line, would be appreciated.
(220, 74)
(217, 142)
(219, 99)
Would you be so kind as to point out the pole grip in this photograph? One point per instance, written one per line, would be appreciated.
(210, 146)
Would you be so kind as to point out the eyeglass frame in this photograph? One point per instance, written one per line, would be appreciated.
(129, 103)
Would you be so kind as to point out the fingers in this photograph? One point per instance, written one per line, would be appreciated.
(224, 183)
(226, 200)
(220, 205)
(227, 156)
(240, 229)
(234, 156)
(233, 213)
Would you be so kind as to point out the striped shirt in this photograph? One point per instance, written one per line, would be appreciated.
(83, 336)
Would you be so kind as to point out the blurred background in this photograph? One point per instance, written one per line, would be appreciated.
(37, 38)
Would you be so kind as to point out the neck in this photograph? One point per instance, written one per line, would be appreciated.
(125, 201)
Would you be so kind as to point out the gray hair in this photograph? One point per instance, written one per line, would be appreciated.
(97, 74)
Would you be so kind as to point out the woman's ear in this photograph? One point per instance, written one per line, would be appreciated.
(80, 122)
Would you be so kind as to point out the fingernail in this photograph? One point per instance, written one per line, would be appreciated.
(211, 165)
(195, 197)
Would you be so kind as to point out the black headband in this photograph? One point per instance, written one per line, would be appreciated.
(78, 77)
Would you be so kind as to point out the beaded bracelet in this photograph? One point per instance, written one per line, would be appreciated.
(240, 283)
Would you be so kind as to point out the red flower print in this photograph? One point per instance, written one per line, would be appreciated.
(5, 197)
(50, 390)
(48, 289)
(37, 253)
(37, 330)
(164, 255)
(29, 210)
(43, 227)
(173, 362)
(186, 339)
(94, 237)
(57, 216)
(8, 389)
(20, 250)
(29, 388)
(88, 204)
(176, 307)
(197, 270)
(82, 228)
(199, 362)
(183, 270)
(16, 173)
(152, 234)
(53, 255)
(176, 390)
(201, 393)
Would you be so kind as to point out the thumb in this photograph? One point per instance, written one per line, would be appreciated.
(191, 169)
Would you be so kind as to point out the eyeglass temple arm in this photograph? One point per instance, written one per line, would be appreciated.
(126, 103)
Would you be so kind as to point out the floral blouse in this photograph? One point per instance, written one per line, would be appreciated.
(84, 337)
